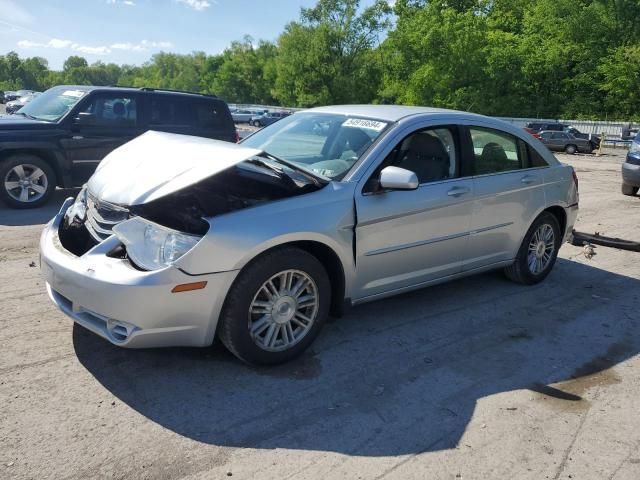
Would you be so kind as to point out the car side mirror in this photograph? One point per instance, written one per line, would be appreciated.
(396, 178)
(85, 118)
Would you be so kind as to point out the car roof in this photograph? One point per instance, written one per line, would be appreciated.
(394, 113)
(110, 88)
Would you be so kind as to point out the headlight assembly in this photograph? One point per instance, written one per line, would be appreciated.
(635, 148)
(79, 208)
(152, 246)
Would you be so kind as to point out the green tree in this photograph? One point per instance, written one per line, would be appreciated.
(436, 56)
(621, 72)
(246, 73)
(322, 59)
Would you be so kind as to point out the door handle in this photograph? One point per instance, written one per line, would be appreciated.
(458, 191)
(528, 179)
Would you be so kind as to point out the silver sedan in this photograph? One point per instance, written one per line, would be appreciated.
(176, 239)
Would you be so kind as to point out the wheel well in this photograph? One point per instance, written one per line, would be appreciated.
(335, 270)
(42, 154)
(560, 215)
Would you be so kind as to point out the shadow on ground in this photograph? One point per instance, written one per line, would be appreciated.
(394, 377)
(36, 216)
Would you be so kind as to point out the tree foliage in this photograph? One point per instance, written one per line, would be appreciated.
(540, 58)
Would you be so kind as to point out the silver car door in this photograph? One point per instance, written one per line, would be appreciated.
(508, 194)
(405, 238)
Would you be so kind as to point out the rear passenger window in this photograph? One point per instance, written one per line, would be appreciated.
(207, 116)
(183, 112)
(495, 151)
(535, 159)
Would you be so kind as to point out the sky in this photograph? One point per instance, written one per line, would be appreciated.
(130, 31)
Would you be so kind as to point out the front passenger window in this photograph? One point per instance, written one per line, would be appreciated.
(494, 151)
(430, 154)
(113, 110)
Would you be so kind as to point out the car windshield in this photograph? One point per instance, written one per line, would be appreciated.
(53, 104)
(326, 144)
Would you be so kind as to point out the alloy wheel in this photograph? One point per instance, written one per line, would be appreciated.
(283, 310)
(541, 249)
(26, 183)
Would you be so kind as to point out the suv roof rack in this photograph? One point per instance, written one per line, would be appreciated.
(150, 89)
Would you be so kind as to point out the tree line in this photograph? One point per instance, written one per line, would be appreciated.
(539, 58)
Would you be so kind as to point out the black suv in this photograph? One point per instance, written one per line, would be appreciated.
(60, 137)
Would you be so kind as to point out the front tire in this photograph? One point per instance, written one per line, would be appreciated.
(27, 181)
(571, 149)
(629, 190)
(538, 252)
(276, 307)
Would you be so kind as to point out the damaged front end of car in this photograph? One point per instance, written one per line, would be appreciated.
(159, 221)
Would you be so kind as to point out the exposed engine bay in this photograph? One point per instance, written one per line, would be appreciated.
(253, 182)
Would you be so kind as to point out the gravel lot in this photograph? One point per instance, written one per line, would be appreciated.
(479, 378)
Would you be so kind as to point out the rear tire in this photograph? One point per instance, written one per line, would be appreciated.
(532, 264)
(571, 149)
(265, 320)
(629, 190)
(26, 181)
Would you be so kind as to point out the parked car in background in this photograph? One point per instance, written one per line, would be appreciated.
(565, 142)
(536, 127)
(8, 96)
(532, 132)
(593, 138)
(16, 105)
(11, 96)
(60, 137)
(267, 118)
(243, 116)
(258, 242)
(631, 169)
(628, 132)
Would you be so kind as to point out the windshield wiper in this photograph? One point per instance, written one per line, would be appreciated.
(30, 117)
(267, 165)
(314, 177)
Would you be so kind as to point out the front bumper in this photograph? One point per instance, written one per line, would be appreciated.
(129, 307)
(631, 174)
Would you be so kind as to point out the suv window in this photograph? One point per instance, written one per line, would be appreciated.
(175, 111)
(560, 135)
(495, 151)
(112, 110)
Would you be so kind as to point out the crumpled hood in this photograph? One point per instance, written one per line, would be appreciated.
(156, 164)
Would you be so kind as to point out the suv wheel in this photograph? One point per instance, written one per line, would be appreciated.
(256, 123)
(538, 251)
(27, 181)
(571, 149)
(276, 307)
(629, 190)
